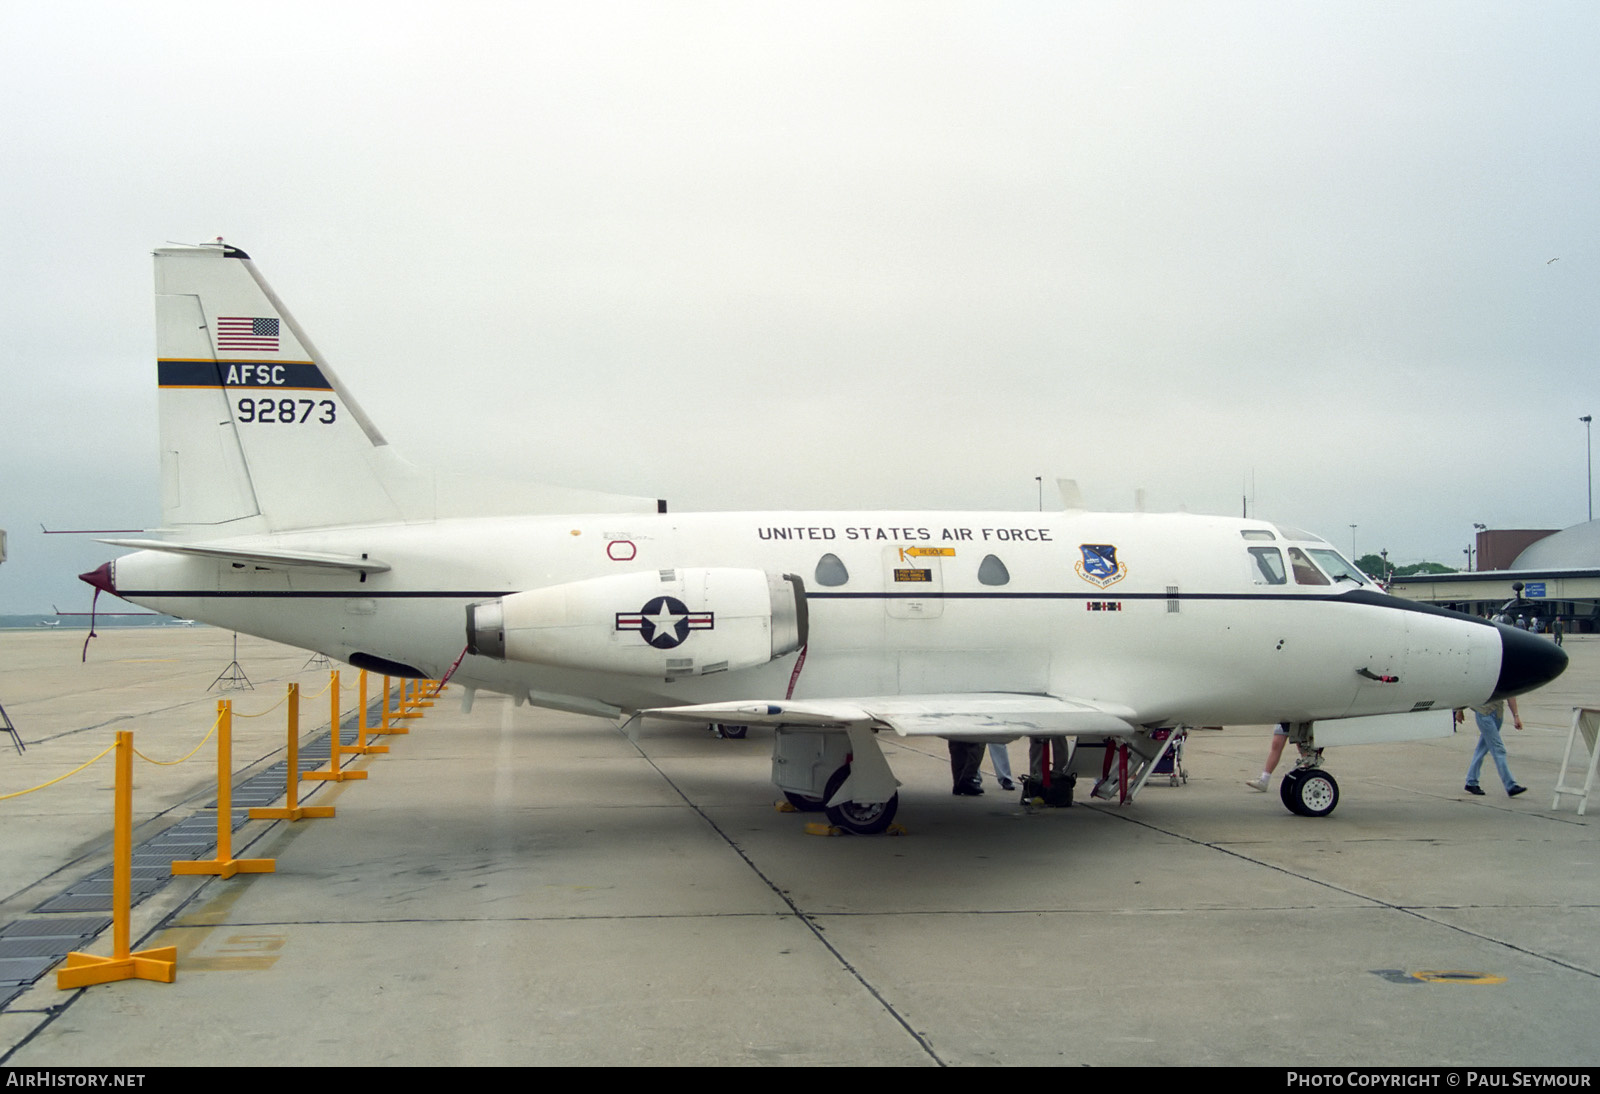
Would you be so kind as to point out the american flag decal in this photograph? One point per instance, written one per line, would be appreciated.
(236, 333)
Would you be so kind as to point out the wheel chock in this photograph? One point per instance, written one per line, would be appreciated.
(818, 828)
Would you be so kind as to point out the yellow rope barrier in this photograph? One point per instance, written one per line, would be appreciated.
(101, 755)
(258, 714)
(185, 756)
(150, 760)
(325, 688)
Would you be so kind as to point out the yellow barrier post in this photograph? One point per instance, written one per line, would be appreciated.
(362, 748)
(388, 714)
(420, 696)
(159, 964)
(408, 699)
(293, 810)
(333, 774)
(225, 865)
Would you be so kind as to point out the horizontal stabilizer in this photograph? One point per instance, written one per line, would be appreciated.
(980, 716)
(294, 560)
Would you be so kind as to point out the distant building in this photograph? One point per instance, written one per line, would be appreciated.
(1498, 548)
(1529, 572)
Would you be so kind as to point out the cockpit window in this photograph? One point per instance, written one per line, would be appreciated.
(1268, 569)
(831, 571)
(1257, 534)
(1294, 533)
(991, 571)
(1335, 565)
(1305, 573)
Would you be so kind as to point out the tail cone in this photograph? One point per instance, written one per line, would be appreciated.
(103, 578)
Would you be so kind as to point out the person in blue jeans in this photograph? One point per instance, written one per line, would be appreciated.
(1491, 719)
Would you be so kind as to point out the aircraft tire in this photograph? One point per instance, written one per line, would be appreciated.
(861, 818)
(1310, 792)
(732, 733)
(1289, 791)
(1318, 793)
(803, 803)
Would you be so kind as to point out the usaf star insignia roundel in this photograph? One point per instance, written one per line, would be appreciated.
(665, 621)
(1100, 566)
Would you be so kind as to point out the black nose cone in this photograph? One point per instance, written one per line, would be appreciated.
(1527, 661)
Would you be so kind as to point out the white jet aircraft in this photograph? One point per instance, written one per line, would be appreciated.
(286, 514)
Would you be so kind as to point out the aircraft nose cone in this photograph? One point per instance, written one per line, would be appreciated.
(1527, 661)
(102, 578)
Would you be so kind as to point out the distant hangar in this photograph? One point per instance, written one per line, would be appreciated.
(1540, 574)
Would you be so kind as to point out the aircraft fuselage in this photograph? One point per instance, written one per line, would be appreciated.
(1167, 616)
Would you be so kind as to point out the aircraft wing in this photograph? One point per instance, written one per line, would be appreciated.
(259, 556)
(973, 716)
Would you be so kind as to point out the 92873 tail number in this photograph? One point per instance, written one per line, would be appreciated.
(287, 411)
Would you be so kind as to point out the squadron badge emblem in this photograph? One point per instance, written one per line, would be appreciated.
(1100, 566)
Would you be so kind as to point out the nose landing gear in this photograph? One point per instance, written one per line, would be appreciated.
(1309, 792)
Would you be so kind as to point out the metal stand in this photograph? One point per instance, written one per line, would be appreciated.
(1585, 729)
(7, 727)
(233, 677)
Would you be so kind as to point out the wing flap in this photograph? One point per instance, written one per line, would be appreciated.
(978, 716)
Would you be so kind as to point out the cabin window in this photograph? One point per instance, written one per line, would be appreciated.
(1268, 568)
(1333, 562)
(1305, 573)
(831, 571)
(991, 571)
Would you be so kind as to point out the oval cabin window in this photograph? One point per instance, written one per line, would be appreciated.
(831, 571)
(991, 571)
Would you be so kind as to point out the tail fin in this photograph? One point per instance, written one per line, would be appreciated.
(259, 435)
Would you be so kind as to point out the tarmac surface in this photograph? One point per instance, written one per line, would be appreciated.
(514, 886)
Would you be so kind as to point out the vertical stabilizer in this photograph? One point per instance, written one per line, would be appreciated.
(257, 434)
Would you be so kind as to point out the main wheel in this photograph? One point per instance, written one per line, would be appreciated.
(862, 818)
(733, 733)
(1289, 790)
(1313, 794)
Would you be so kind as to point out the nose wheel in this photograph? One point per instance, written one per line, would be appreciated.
(1309, 792)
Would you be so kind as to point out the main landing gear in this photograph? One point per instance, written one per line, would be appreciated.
(862, 818)
(838, 771)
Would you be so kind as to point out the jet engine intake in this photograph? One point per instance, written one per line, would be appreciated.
(668, 623)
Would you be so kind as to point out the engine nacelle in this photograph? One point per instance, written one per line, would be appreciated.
(685, 622)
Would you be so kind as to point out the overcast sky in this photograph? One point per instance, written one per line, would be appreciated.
(814, 255)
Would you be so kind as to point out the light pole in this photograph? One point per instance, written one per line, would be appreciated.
(1588, 460)
(1352, 543)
